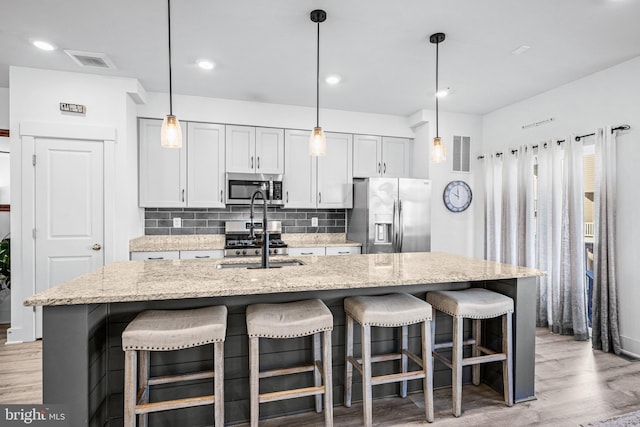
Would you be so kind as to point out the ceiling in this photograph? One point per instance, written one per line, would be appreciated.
(265, 50)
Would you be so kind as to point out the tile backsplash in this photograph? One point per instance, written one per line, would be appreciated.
(159, 221)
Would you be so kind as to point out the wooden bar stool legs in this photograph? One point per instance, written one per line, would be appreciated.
(396, 310)
(292, 320)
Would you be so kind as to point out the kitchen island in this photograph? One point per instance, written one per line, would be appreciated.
(83, 320)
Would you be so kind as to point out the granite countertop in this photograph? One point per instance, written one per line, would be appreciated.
(204, 242)
(125, 281)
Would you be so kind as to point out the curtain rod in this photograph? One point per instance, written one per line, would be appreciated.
(560, 141)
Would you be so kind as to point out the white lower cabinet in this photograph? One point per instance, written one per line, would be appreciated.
(143, 256)
(343, 250)
(314, 250)
(211, 254)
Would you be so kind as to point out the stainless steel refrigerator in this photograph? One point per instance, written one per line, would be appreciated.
(391, 215)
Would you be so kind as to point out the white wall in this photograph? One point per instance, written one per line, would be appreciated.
(610, 97)
(34, 97)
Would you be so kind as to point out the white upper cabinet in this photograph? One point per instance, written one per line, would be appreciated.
(318, 182)
(254, 150)
(381, 156)
(335, 173)
(205, 165)
(163, 171)
(191, 176)
(300, 171)
(269, 150)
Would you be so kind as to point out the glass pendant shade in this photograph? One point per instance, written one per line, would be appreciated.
(317, 142)
(438, 154)
(171, 134)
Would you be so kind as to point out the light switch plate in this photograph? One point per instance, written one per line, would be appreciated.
(177, 222)
(314, 221)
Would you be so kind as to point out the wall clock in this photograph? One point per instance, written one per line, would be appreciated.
(457, 196)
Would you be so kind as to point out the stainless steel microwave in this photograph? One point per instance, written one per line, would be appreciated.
(241, 186)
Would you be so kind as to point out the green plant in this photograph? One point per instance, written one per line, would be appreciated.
(5, 260)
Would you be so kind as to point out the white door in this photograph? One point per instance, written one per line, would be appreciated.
(367, 156)
(69, 211)
(205, 166)
(269, 150)
(300, 171)
(396, 157)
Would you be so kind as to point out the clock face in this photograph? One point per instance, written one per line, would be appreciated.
(457, 196)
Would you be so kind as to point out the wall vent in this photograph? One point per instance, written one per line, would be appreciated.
(461, 155)
(91, 59)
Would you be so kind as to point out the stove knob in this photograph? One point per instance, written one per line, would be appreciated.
(238, 252)
(244, 252)
(257, 251)
(275, 251)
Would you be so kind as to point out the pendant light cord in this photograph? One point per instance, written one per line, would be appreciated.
(170, 86)
(318, 78)
(437, 55)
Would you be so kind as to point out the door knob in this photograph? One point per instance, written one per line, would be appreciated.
(96, 247)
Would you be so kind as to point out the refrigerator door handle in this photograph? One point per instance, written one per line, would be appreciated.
(400, 226)
(395, 228)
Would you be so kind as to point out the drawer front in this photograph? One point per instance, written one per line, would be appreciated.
(212, 254)
(316, 250)
(143, 256)
(343, 250)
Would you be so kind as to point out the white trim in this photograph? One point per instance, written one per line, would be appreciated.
(23, 319)
(67, 131)
(630, 347)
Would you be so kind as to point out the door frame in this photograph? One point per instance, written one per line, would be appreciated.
(23, 319)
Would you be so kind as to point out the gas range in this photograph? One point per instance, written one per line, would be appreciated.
(238, 243)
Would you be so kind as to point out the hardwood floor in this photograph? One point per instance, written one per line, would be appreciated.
(574, 385)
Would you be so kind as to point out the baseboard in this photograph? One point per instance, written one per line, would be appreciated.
(630, 346)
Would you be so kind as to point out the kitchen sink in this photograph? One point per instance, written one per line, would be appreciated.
(272, 264)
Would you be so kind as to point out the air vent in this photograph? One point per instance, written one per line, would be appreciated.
(461, 147)
(91, 59)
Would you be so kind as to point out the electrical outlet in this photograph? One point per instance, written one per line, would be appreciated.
(177, 222)
(314, 221)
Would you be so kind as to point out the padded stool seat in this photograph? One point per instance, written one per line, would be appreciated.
(291, 320)
(168, 330)
(288, 320)
(476, 304)
(394, 310)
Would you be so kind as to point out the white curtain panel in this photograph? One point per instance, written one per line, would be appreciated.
(509, 224)
(570, 305)
(548, 226)
(493, 207)
(605, 335)
(526, 208)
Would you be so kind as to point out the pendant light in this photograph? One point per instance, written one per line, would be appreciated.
(170, 134)
(317, 141)
(438, 154)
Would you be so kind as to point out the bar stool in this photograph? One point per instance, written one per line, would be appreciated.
(168, 330)
(476, 304)
(291, 320)
(390, 311)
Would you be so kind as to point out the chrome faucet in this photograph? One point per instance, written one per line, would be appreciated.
(265, 232)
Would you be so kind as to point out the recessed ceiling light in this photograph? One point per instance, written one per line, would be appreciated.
(40, 44)
(333, 79)
(206, 65)
(521, 49)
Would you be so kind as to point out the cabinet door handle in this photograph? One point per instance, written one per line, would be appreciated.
(306, 253)
(160, 257)
(183, 195)
(251, 162)
(202, 256)
(378, 167)
(221, 198)
(258, 165)
(343, 252)
(385, 167)
(320, 197)
(287, 197)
